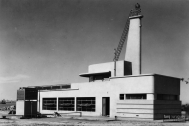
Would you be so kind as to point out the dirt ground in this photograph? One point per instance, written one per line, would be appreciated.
(61, 121)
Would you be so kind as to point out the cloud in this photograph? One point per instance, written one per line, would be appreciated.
(13, 79)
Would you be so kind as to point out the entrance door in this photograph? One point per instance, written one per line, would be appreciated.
(105, 106)
(30, 109)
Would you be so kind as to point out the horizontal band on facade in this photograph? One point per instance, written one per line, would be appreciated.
(58, 90)
(145, 113)
(144, 104)
(135, 113)
(149, 108)
(133, 117)
(132, 104)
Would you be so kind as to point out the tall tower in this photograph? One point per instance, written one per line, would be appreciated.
(133, 46)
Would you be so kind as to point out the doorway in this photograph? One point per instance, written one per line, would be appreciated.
(105, 106)
(30, 109)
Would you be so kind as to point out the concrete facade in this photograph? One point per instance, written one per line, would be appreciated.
(149, 108)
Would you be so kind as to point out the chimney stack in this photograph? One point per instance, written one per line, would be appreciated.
(133, 45)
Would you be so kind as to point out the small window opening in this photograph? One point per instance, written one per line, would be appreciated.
(167, 97)
(135, 96)
(121, 96)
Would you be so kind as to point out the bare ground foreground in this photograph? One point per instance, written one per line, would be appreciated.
(84, 121)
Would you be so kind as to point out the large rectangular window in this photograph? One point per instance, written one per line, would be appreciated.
(86, 104)
(66, 104)
(167, 97)
(135, 96)
(49, 104)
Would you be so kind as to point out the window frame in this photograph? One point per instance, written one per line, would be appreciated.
(48, 102)
(86, 104)
(140, 96)
(168, 97)
(121, 96)
(69, 103)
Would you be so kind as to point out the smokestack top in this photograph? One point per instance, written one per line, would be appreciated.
(136, 11)
(137, 6)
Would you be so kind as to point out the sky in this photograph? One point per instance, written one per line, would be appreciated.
(46, 42)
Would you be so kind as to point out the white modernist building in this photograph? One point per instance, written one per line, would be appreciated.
(129, 94)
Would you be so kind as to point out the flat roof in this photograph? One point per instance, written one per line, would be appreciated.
(97, 73)
(144, 75)
(49, 85)
(56, 86)
(46, 90)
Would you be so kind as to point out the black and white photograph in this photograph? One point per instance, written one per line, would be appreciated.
(94, 62)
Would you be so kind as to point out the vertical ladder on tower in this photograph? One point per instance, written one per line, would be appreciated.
(125, 32)
(125, 35)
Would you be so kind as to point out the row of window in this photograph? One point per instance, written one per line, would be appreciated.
(143, 96)
(132, 96)
(68, 104)
(167, 97)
